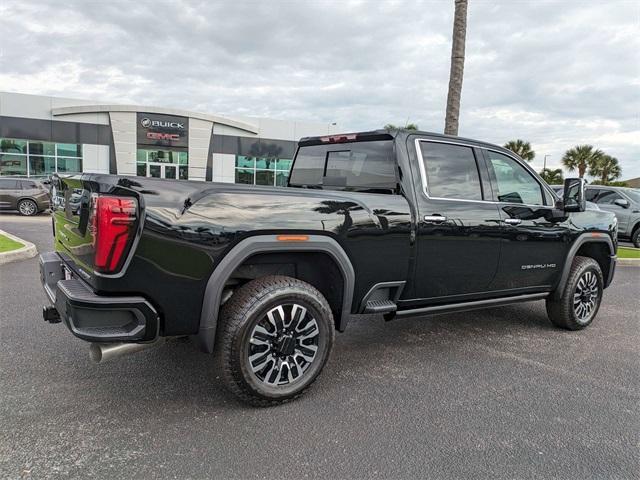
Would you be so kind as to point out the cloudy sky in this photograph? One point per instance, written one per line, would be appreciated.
(557, 73)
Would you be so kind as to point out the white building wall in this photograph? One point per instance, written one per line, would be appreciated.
(123, 127)
(95, 158)
(224, 165)
(199, 137)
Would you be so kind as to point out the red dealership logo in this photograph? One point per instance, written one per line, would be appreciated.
(173, 137)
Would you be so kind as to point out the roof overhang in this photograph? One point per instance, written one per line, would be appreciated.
(61, 111)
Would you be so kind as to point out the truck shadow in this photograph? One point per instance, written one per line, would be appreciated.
(178, 375)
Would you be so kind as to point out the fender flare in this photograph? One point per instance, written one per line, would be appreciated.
(205, 337)
(581, 240)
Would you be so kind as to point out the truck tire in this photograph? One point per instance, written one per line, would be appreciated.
(581, 297)
(275, 336)
(27, 207)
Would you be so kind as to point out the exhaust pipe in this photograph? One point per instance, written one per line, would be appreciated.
(103, 352)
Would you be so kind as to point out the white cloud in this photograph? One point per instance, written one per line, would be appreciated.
(556, 73)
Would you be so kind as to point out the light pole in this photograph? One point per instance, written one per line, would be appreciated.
(544, 164)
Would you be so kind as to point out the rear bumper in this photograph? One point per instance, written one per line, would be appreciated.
(96, 318)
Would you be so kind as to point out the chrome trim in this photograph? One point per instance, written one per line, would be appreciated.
(435, 218)
(423, 173)
(513, 221)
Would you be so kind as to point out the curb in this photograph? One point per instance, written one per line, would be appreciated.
(28, 251)
(629, 262)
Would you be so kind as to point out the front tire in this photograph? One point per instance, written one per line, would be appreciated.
(275, 336)
(581, 297)
(635, 237)
(27, 207)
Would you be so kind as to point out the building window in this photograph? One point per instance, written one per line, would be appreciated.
(162, 164)
(38, 159)
(262, 171)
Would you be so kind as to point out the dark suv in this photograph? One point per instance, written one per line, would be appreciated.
(27, 196)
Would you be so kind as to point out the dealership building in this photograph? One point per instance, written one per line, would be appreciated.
(42, 135)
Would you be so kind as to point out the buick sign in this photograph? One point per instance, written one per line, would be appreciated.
(163, 130)
(147, 123)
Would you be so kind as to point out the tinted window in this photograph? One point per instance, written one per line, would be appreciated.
(591, 194)
(308, 168)
(360, 166)
(451, 171)
(514, 183)
(607, 197)
(28, 185)
(6, 184)
(364, 167)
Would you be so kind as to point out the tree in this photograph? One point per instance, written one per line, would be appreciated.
(607, 168)
(581, 157)
(409, 126)
(457, 68)
(552, 177)
(521, 148)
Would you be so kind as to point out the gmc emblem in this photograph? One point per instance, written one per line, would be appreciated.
(173, 137)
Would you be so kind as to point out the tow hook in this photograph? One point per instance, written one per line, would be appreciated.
(50, 314)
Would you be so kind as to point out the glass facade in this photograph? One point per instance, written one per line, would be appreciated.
(32, 158)
(162, 164)
(262, 171)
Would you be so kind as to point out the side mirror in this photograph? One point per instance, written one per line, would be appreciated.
(574, 195)
(621, 202)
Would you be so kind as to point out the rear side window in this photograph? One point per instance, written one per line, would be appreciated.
(452, 171)
(6, 184)
(360, 167)
(26, 185)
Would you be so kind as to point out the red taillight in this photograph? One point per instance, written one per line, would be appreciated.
(113, 222)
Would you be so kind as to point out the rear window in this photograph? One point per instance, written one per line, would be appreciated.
(360, 167)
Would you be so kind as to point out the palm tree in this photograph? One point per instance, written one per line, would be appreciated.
(522, 149)
(552, 177)
(607, 168)
(457, 68)
(581, 157)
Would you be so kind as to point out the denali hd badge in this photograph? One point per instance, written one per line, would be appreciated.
(538, 265)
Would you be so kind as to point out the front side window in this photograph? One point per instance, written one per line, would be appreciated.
(451, 171)
(514, 183)
(591, 194)
(608, 197)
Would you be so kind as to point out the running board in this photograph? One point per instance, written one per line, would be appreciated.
(380, 306)
(461, 307)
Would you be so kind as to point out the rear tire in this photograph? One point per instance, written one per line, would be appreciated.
(274, 338)
(27, 207)
(581, 297)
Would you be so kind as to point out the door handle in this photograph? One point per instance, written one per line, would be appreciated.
(435, 218)
(512, 221)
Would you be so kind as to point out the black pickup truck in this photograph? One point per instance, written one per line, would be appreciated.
(397, 223)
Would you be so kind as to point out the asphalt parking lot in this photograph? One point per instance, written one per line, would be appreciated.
(497, 393)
